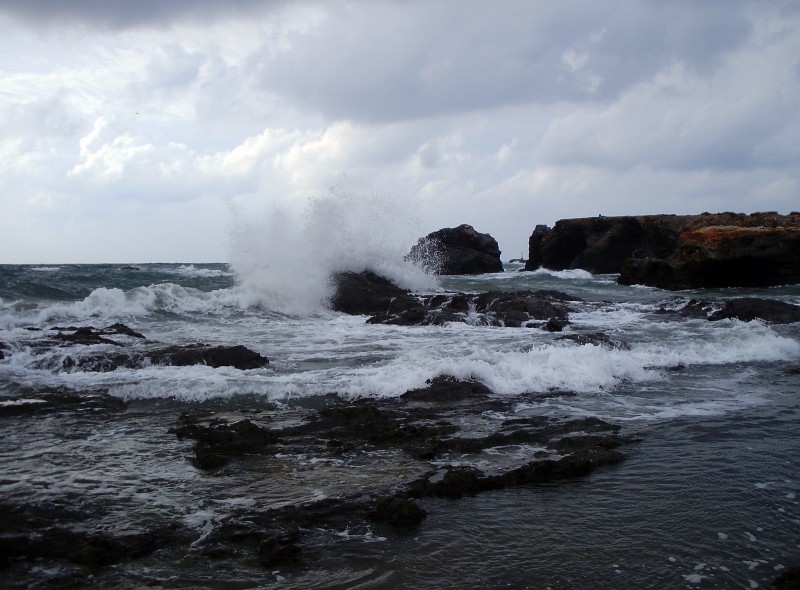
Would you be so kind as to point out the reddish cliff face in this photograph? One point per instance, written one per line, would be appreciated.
(676, 252)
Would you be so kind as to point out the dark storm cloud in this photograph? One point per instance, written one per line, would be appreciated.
(127, 14)
(387, 61)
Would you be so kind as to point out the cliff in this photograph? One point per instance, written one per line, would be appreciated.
(676, 251)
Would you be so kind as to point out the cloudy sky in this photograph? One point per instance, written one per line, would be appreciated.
(147, 130)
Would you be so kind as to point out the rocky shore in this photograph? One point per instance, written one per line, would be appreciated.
(451, 448)
(676, 251)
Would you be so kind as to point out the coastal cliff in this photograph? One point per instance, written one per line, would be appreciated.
(676, 251)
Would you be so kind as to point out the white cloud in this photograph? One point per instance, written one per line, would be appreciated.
(154, 120)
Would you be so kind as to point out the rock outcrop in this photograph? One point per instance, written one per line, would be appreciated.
(676, 251)
(369, 294)
(457, 251)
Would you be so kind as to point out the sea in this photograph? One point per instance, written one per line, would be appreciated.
(707, 497)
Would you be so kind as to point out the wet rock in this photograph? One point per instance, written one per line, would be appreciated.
(788, 580)
(596, 339)
(122, 329)
(750, 308)
(555, 325)
(218, 441)
(577, 464)
(367, 293)
(364, 422)
(85, 335)
(3, 348)
(239, 357)
(458, 482)
(59, 401)
(278, 550)
(397, 511)
(695, 308)
(448, 389)
(514, 308)
(457, 251)
(42, 532)
(570, 444)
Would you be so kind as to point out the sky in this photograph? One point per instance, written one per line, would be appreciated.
(149, 131)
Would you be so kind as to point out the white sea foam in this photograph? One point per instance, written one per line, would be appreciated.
(283, 258)
(576, 273)
(191, 271)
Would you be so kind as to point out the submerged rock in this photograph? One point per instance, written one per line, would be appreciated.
(397, 511)
(595, 339)
(457, 251)
(217, 441)
(789, 579)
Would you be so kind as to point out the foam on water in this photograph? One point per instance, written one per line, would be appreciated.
(576, 273)
(340, 354)
(191, 271)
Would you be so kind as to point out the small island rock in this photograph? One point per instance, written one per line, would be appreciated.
(457, 251)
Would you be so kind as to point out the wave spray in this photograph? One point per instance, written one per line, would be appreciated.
(284, 256)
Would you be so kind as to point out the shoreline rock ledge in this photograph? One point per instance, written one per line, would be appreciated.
(457, 251)
(676, 251)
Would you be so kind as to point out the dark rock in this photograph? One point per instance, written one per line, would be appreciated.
(410, 317)
(457, 482)
(594, 338)
(362, 422)
(122, 329)
(750, 308)
(3, 348)
(85, 549)
(555, 324)
(696, 308)
(366, 293)
(85, 335)
(725, 250)
(789, 579)
(279, 550)
(58, 401)
(601, 244)
(397, 511)
(457, 251)
(448, 389)
(217, 442)
(578, 464)
(676, 252)
(515, 307)
(239, 357)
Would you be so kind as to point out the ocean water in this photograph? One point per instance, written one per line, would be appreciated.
(707, 499)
